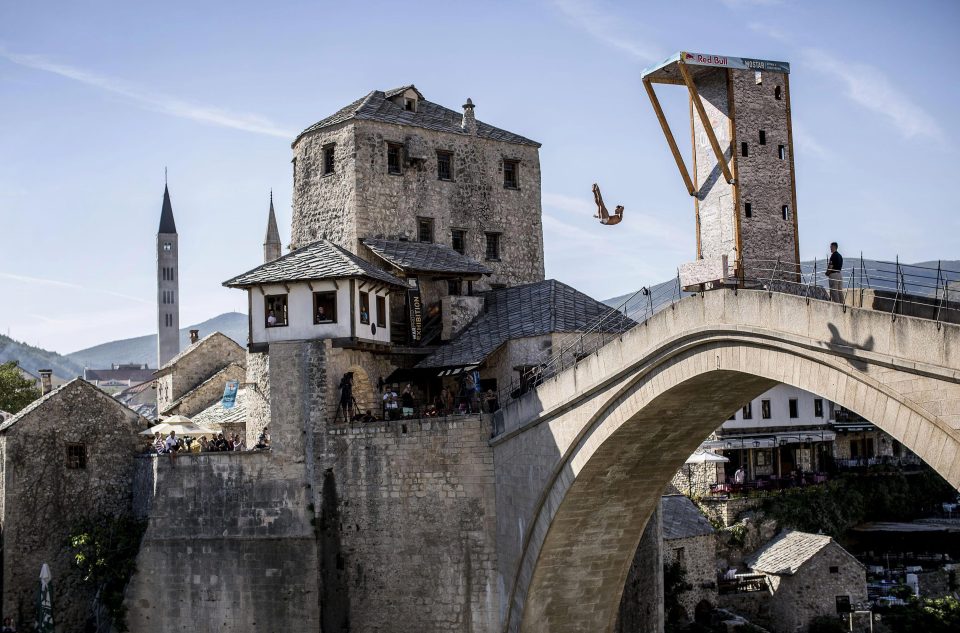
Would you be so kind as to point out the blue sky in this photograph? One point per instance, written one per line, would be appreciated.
(96, 98)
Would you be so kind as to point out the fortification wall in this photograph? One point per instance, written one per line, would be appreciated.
(408, 527)
(228, 547)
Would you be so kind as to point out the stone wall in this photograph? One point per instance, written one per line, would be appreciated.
(228, 547)
(45, 499)
(409, 526)
(362, 200)
(458, 313)
(698, 557)
(641, 605)
(368, 368)
(257, 394)
(207, 392)
(196, 364)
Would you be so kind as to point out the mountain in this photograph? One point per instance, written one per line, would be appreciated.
(143, 349)
(34, 358)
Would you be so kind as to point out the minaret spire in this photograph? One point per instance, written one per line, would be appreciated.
(168, 283)
(271, 243)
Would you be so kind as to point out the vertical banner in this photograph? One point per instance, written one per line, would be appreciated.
(230, 394)
(415, 305)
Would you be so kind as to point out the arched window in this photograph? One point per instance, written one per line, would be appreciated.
(776, 93)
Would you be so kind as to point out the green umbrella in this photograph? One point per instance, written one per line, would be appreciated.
(44, 602)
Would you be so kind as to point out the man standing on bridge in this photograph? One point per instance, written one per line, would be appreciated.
(834, 274)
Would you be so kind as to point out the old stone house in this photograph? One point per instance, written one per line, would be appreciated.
(194, 379)
(807, 575)
(688, 539)
(64, 458)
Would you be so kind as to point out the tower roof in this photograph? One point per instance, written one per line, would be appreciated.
(273, 234)
(167, 225)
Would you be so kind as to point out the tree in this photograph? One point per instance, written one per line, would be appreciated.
(16, 392)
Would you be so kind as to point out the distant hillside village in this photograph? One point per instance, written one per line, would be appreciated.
(332, 471)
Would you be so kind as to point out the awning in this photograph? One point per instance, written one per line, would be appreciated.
(768, 440)
(453, 371)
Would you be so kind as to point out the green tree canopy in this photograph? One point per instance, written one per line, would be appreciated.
(16, 392)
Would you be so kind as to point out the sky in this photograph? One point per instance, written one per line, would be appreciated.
(98, 99)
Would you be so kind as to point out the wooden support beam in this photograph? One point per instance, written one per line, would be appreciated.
(688, 79)
(676, 81)
(669, 135)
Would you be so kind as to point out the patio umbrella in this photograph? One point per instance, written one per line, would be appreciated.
(44, 602)
(181, 424)
(706, 457)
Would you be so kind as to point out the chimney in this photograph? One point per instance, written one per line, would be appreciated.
(469, 123)
(46, 381)
(194, 336)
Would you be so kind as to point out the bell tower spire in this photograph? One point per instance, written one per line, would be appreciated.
(168, 284)
(271, 244)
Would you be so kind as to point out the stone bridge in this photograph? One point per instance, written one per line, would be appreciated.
(583, 459)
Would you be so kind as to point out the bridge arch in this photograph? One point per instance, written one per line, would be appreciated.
(600, 442)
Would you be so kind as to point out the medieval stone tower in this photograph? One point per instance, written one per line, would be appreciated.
(271, 243)
(168, 294)
(742, 182)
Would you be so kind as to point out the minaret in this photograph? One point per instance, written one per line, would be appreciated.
(271, 244)
(168, 294)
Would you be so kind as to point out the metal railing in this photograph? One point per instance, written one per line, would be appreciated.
(923, 291)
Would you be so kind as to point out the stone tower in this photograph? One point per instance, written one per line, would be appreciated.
(271, 244)
(743, 182)
(168, 294)
(395, 166)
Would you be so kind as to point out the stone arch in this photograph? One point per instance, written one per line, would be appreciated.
(620, 444)
(363, 390)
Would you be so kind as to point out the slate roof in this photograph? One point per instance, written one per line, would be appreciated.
(168, 367)
(136, 374)
(216, 414)
(167, 225)
(218, 375)
(376, 106)
(681, 518)
(319, 260)
(529, 310)
(425, 257)
(788, 552)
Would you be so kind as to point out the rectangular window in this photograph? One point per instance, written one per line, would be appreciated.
(76, 455)
(381, 311)
(785, 210)
(275, 309)
(758, 77)
(834, 569)
(818, 407)
(444, 166)
(748, 209)
(324, 307)
(511, 174)
(365, 308)
(410, 105)
(393, 158)
(458, 238)
(763, 137)
(794, 408)
(493, 246)
(425, 230)
(453, 287)
(765, 409)
(328, 158)
(781, 152)
(733, 416)
(748, 411)
(744, 149)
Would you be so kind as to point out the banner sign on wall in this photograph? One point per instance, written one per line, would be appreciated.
(230, 394)
(740, 63)
(415, 305)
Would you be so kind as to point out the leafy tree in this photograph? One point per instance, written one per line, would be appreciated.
(939, 615)
(16, 392)
(105, 550)
(674, 585)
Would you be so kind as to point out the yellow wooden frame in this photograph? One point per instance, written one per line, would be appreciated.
(688, 80)
(669, 136)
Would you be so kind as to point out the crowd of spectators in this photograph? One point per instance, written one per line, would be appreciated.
(218, 443)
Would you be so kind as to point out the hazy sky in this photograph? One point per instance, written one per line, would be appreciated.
(97, 97)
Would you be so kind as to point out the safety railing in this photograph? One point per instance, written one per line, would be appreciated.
(927, 291)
